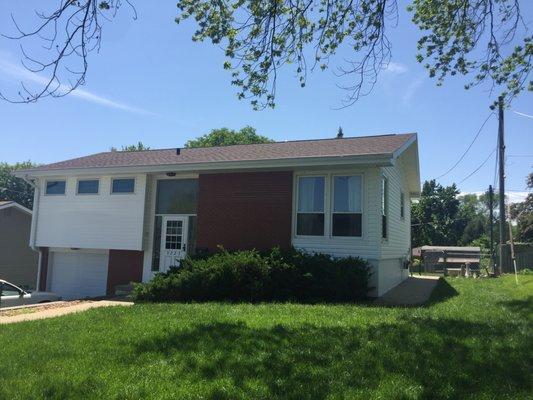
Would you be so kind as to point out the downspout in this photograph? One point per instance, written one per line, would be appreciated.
(33, 228)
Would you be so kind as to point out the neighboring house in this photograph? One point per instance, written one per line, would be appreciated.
(440, 258)
(111, 218)
(18, 262)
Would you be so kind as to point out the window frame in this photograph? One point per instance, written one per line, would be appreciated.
(87, 179)
(113, 179)
(402, 205)
(328, 204)
(45, 192)
(332, 205)
(385, 206)
(297, 202)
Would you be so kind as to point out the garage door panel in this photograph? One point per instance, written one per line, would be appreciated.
(79, 275)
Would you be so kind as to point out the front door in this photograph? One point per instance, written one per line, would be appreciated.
(173, 241)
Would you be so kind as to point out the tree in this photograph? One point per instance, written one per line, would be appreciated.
(15, 189)
(485, 40)
(227, 137)
(132, 147)
(523, 214)
(435, 216)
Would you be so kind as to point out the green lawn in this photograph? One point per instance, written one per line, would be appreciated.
(473, 341)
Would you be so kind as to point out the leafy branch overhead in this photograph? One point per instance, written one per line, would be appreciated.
(459, 37)
(67, 34)
(485, 40)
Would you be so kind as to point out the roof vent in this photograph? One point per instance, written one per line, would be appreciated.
(340, 133)
(178, 151)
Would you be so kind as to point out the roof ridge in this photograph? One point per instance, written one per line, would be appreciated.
(258, 144)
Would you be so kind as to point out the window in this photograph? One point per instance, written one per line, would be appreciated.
(310, 212)
(402, 205)
(177, 196)
(123, 185)
(347, 210)
(55, 187)
(9, 290)
(88, 186)
(384, 206)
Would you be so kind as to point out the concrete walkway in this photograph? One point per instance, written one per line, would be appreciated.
(59, 311)
(414, 291)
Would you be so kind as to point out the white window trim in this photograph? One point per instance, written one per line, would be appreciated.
(327, 237)
(295, 216)
(45, 185)
(121, 178)
(87, 179)
(332, 194)
(402, 205)
(385, 202)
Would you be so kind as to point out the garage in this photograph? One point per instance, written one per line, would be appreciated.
(76, 275)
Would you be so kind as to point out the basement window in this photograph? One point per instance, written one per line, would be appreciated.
(310, 213)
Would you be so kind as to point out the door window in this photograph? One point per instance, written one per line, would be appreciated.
(174, 234)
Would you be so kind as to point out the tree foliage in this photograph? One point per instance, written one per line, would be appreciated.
(485, 40)
(15, 189)
(523, 214)
(140, 146)
(227, 137)
(435, 216)
(466, 37)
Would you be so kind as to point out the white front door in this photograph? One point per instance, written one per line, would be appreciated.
(173, 241)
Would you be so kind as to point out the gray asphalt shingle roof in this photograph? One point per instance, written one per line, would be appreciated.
(352, 146)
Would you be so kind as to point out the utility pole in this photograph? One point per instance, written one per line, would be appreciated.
(501, 152)
(491, 227)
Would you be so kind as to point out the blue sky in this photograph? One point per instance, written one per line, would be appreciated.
(151, 83)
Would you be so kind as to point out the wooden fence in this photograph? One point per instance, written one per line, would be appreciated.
(523, 255)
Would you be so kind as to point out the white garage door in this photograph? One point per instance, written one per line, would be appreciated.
(78, 275)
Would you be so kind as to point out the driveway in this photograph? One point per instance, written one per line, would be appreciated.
(55, 309)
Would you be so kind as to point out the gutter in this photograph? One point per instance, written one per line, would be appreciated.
(33, 228)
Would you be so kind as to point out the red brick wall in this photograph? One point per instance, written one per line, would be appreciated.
(124, 266)
(245, 210)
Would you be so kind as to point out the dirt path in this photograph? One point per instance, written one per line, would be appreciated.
(51, 311)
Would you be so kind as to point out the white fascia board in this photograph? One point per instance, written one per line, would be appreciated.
(16, 205)
(378, 160)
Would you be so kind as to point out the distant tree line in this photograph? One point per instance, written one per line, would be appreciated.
(443, 217)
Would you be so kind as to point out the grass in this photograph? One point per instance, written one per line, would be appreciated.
(473, 340)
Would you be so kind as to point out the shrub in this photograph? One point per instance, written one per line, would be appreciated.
(251, 276)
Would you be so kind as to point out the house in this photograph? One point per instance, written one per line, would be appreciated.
(442, 258)
(110, 218)
(18, 262)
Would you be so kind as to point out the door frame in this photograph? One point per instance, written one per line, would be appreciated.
(184, 237)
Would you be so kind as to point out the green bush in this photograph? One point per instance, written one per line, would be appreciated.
(251, 276)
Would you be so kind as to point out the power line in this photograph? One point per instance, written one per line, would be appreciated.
(469, 147)
(520, 155)
(481, 165)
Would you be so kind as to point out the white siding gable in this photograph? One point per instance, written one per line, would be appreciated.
(102, 221)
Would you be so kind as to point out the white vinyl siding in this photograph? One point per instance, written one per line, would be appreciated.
(104, 221)
(398, 241)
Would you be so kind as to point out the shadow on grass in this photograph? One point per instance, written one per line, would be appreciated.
(442, 292)
(412, 358)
